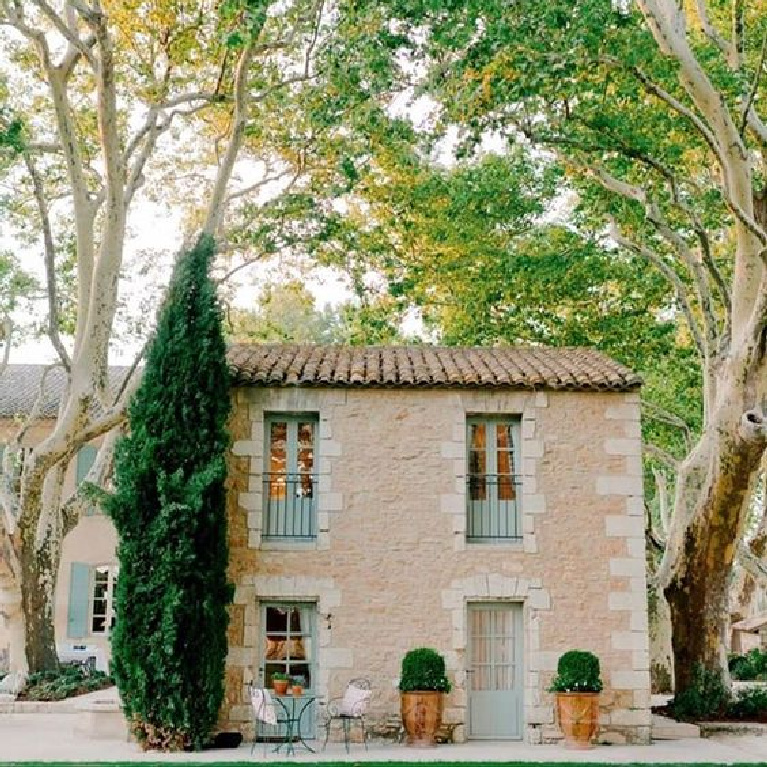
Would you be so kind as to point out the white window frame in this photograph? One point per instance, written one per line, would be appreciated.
(113, 572)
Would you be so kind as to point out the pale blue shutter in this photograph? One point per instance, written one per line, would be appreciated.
(85, 459)
(79, 600)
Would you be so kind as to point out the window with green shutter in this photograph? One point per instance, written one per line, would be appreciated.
(493, 492)
(86, 457)
(91, 599)
(290, 481)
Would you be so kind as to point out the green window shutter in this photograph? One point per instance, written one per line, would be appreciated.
(85, 459)
(79, 600)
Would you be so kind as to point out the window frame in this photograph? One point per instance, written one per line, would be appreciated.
(506, 527)
(113, 571)
(271, 528)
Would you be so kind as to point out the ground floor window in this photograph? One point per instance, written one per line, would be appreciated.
(287, 641)
(91, 599)
(104, 580)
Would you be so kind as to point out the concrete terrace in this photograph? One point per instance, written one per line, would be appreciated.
(51, 737)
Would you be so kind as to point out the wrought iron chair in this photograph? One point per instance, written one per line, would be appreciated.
(349, 708)
(269, 716)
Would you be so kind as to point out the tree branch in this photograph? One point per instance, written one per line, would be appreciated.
(49, 251)
(34, 412)
(754, 566)
(662, 455)
(63, 29)
(657, 413)
(681, 291)
(7, 328)
(215, 212)
(710, 31)
(79, 501)
(754, 88)
(661, 486)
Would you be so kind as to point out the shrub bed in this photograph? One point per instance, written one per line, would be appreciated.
(707, 699)
(67, 682)
(749, 667)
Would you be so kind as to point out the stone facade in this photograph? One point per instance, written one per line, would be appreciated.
(391, 568)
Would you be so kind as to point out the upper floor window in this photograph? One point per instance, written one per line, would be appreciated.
(290, 481)
(494, 484)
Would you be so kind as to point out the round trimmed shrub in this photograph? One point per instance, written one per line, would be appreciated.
(577, 671)
(423, 670)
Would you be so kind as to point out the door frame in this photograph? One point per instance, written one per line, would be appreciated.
(517, 606)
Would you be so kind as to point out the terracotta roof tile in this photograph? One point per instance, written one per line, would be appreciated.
(518, 367)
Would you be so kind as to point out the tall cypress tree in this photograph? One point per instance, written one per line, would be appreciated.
(169, 642)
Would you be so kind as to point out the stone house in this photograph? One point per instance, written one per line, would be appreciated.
(484, 502)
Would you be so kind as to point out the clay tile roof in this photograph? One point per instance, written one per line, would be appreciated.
(20, 388)
(516, 367)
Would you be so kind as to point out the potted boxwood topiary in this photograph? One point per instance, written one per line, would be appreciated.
(577, 685)
(423, 683)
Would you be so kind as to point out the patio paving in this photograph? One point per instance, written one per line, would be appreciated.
(51, 737)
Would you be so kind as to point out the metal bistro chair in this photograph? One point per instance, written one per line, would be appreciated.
(349, 709)
(269, 716)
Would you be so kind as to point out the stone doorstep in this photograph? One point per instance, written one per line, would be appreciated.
(664, 728)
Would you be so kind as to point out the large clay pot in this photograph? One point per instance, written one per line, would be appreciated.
(421, 716)
(578, 715)
(280, 686)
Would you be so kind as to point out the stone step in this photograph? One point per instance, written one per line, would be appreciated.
(664, 728)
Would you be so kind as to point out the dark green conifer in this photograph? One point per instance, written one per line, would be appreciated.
(169, 642)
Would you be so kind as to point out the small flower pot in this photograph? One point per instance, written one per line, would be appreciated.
(280, 686)
(297, 690)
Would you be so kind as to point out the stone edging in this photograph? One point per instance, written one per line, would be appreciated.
(709, 729)
(39, 707)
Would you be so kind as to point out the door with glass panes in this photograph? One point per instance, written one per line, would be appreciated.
(494, 671)
(288, 646)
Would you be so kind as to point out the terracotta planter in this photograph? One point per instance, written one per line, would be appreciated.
(280, 686)
(297, 690)
(421, 716)
(578, 715)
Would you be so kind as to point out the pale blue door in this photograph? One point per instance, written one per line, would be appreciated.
(495, 681)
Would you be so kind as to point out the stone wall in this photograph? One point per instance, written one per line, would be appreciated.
(391, 568)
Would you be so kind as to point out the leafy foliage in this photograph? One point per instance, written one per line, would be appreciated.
(169, 643)
(423, 670)
(577, 671)
(705, 698)
(749, 704)
(66, 682)
(749, 666)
